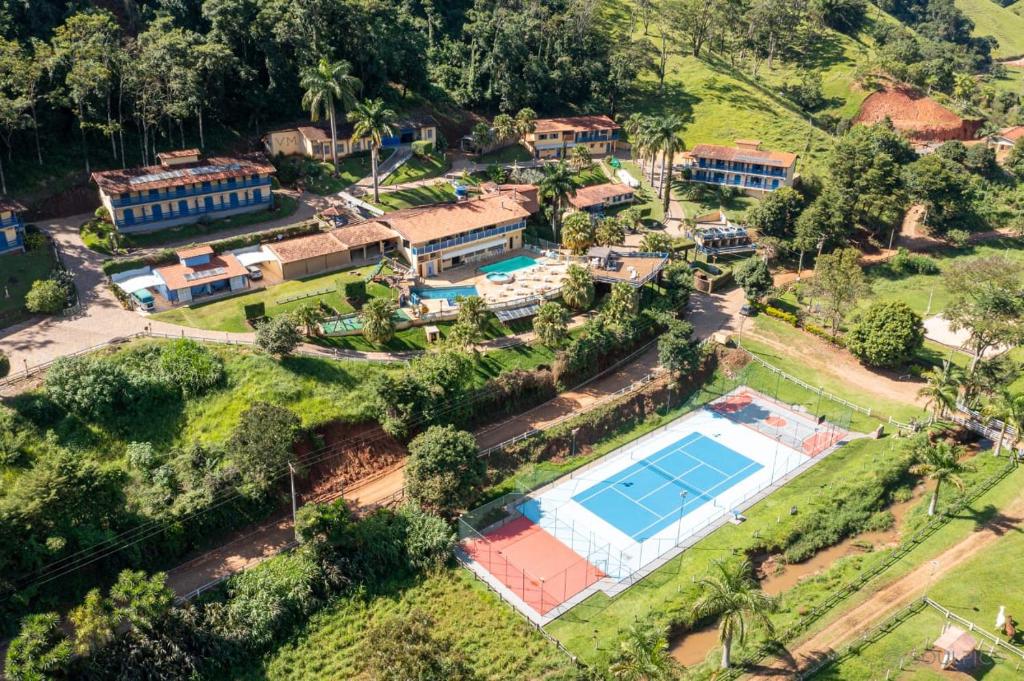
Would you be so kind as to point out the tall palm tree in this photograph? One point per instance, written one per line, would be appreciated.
(578, 287)
(667, 131)
(378, 326)
(736, 599)
(1007, 407)
(505, 128)
(526, 121)
(328, 85)
(578, 232)
(372, 120)
(557, 186)
(643, 655)
(941, 462)
(942, 388)
(482, 136)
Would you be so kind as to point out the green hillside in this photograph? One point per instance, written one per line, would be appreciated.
(1017, 7)
(1005, 24)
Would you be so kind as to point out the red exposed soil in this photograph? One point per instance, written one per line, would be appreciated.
(349, 453)
(916, 115)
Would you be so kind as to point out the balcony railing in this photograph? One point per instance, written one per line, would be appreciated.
(202, 210)
(13, 221)
(751, 183)
(458, 241)
(186, 192)
(745, 168)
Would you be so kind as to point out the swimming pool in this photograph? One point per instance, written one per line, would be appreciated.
(508, 265)
(449, 293)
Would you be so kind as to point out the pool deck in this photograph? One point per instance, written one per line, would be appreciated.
(546, 277)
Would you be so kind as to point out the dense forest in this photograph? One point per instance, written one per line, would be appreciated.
(116, 81)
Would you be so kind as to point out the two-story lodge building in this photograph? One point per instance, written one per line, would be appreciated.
(555, 137)
(183, 189)
(746, 166)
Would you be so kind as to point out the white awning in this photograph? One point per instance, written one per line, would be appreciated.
(253, 257)
(478, 246)
(134, 284)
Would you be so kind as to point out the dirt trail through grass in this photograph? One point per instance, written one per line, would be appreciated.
(894, 595)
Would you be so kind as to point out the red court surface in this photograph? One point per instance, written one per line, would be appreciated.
(819, 442)
(732, 404)
(535, 566)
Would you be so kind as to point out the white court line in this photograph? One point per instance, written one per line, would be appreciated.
(615, 489)
(672, 479)
(678, 446)
(705, 494)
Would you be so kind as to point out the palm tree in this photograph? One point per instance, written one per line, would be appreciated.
(941, 462)
(942, 388)
(526, 121)
(557, 185)
(482, 136)
(643, 655)
(578, 232)
(736, 599)
(472, 312)
(309, 315)
(504, 128)
(578, 288)
(666, 131)
(551, 323)
(378, 327)
(1007, 407)
(327, 85)
(580, 158)
(611, 231)
(373, 120)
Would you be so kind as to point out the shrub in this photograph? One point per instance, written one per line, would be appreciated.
(886, 335)
(255, 311)
(101, 391)
(191, 367)
(355, 291)
(823, 334)
(35, 241)
(905, 262)
(443, 471)
(265, 599)
(45, 297)
(958, 238)
(755, 278)
(261, 443)
(787, 317)
(429, 540)
(409, 646)
(422, 148)
(278, 336)
(551, 324)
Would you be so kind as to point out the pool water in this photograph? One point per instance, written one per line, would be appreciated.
(519, 262)
(449, 293)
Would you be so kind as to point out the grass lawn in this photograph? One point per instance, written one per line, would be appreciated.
(229, 314)
(735, 207)
(441, 192)
(17, 272)
(414, 338)
(819, 374)
(646, 198)
(591, 176)
(497, 642)
(94, 235)
(1003, 23)
(318, 176)
(509, 154)
(417, 168)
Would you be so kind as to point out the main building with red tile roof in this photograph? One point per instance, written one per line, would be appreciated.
(746, 167)
(184, 188)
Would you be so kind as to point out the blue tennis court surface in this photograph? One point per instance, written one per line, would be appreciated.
(648, 496)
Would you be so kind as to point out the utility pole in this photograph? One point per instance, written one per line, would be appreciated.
(291, 477)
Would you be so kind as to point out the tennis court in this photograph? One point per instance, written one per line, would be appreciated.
(662, 488)
(609, 523)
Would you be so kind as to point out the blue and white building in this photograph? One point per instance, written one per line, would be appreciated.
(746, 167)
(12, 229)
(183, 189)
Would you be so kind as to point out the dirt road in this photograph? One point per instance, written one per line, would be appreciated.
(894, 595)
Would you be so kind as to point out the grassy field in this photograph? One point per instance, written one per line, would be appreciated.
(319, 177)
(407, 198)
(417, 168)
(497, 643)
(646, 198)
(229, 314)
(1003, 23)
(415, 338)
(974, 590)
(17, 272)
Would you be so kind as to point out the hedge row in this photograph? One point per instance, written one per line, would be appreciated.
(795, 321)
